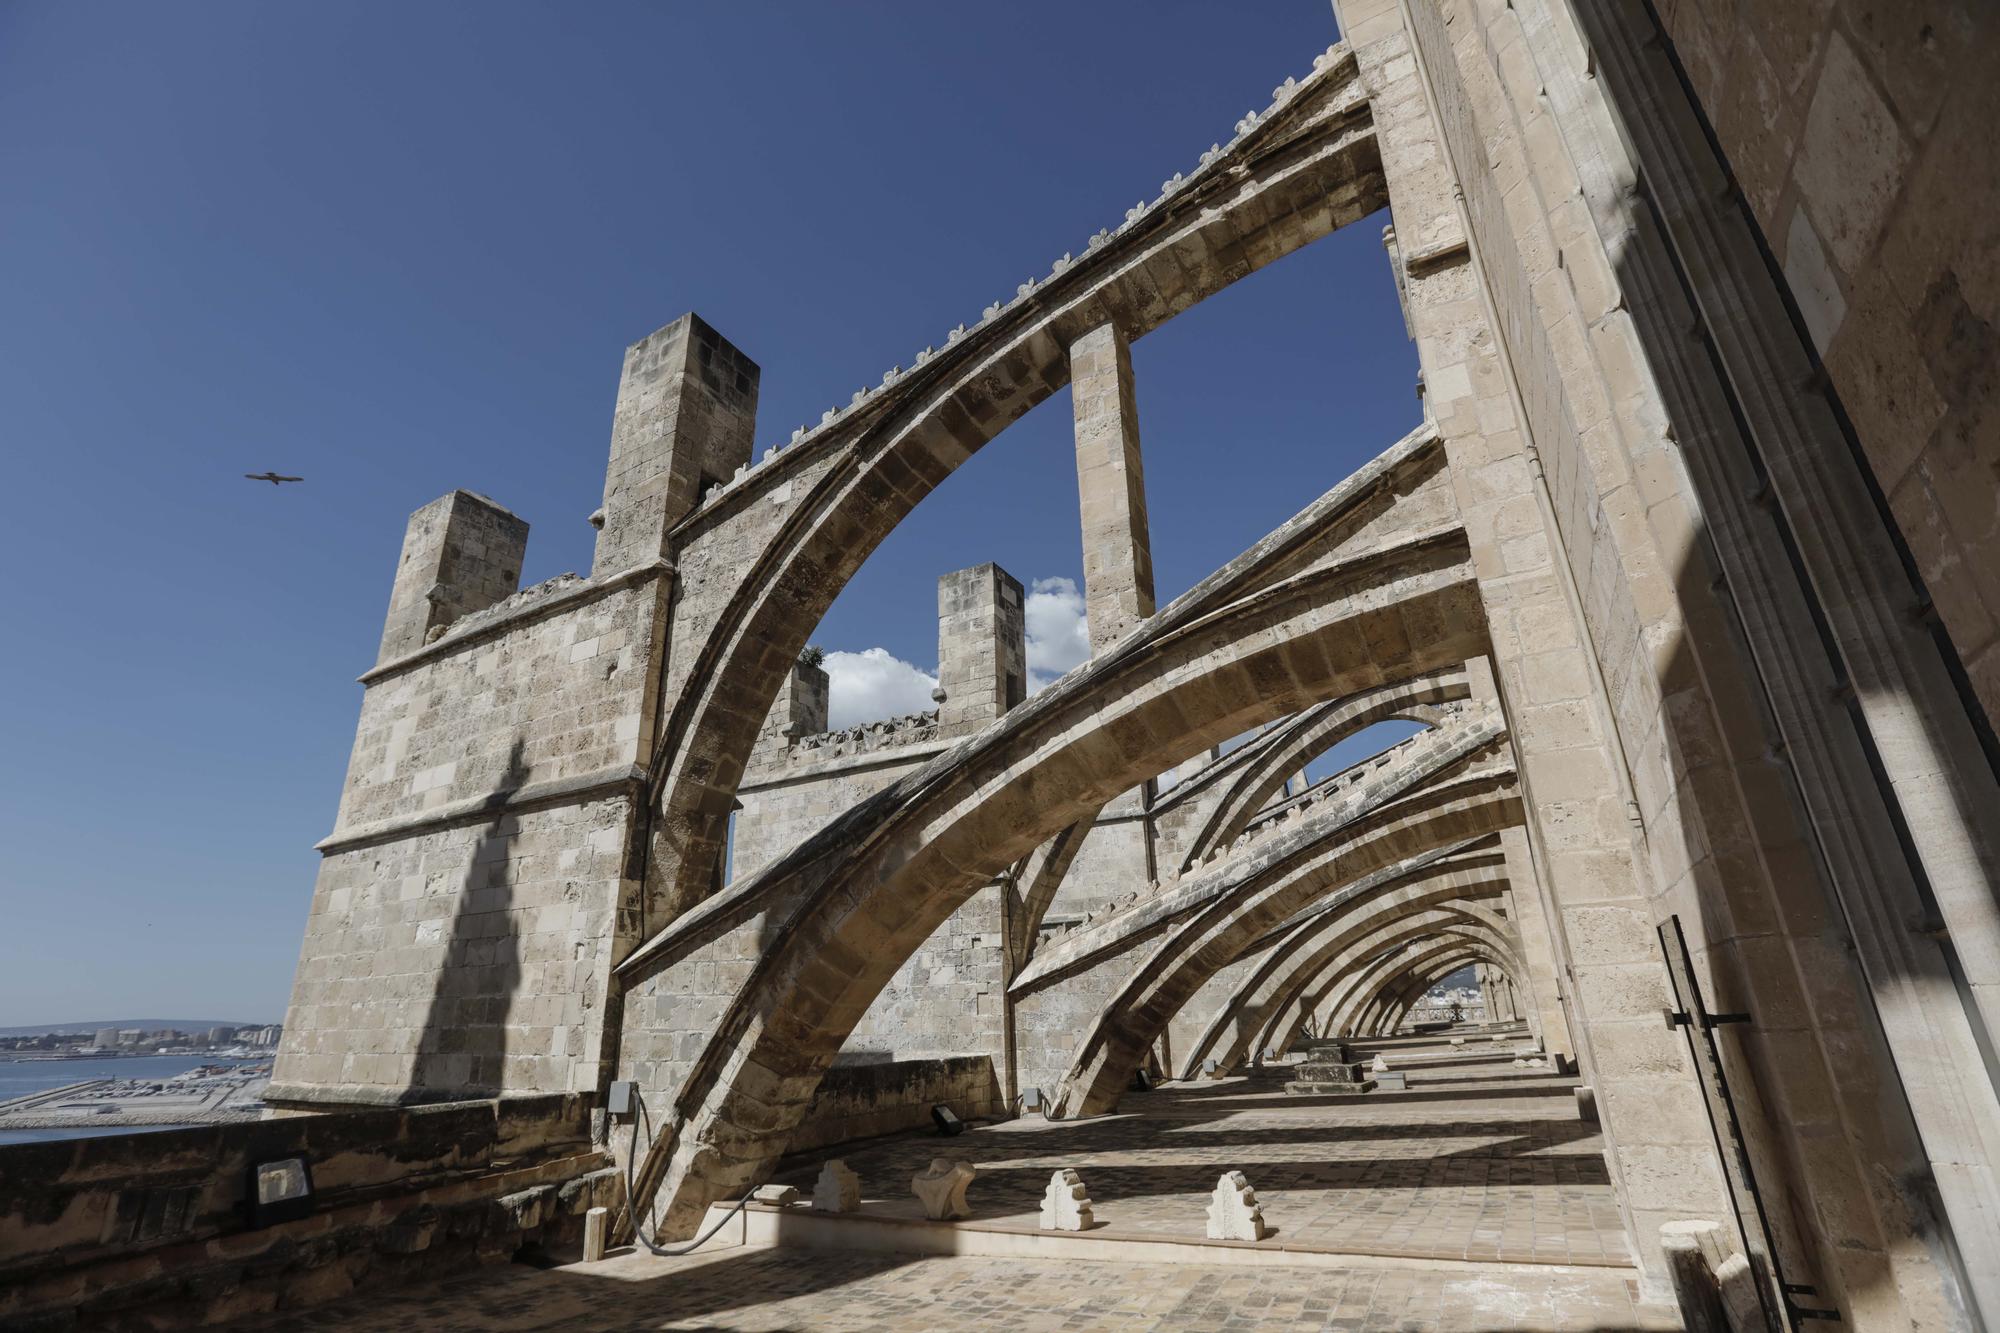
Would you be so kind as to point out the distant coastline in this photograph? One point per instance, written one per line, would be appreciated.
(148, 1024)
(90, 1095)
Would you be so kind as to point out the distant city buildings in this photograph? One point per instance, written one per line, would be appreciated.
(141, 1041)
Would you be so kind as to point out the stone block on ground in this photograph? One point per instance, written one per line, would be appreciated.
(1066, 1203)
(838, 1189)
(941, 1187)
(778, 1196)
(1233, 1212)
(1317, 1076)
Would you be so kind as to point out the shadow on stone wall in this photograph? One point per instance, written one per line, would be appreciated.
(462, 1050)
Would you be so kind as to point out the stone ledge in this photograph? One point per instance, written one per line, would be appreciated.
(483, 625)
(762, 1224)
(806, 768)
(555, 791)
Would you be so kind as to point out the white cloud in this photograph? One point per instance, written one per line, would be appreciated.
(873, 684)
(1057, 636)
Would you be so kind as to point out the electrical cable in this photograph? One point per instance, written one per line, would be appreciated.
(632, 1204)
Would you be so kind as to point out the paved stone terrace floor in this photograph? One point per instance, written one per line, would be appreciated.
(762, 1288)
(1478, 1160)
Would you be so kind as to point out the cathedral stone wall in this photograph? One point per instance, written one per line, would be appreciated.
(1688, 405)
(1862, 138)
(474, 888)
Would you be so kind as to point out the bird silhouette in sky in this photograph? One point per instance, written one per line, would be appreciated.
(271, 477)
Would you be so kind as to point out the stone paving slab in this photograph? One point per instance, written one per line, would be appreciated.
(1481, 1164)
(766, 1289)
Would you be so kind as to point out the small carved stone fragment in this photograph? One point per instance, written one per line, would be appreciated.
(1233, 1212)
(1066, 1203)
(941, 1187)
(838, 1189)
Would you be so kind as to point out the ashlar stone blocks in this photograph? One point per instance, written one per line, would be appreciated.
(685, 421)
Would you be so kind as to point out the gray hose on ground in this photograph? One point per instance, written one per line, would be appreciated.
(632, 1203)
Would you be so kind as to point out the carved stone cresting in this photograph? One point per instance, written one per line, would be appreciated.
(1066, 1203)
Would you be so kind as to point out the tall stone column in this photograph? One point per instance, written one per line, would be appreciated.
(1528, 909)
(1658, 1145)
(1117, 549)
(982, 647)
(686, 420)
(461, 553)
(1118, 583)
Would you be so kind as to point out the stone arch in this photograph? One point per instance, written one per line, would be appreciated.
(1224, 880)
(1476, 799)
(1319, 997)
(1239, 787)
(1272, 633)
(1360, 970)
(1315, 944)
(1371, 993)
(1384, 1014)
(759, 565)
(1415, 984)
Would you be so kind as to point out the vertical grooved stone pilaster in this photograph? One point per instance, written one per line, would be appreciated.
(1111, 481)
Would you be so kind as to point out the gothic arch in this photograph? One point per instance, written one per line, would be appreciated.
(1274, 632)
(813, 513)
(1320, 942)
(1245, 787)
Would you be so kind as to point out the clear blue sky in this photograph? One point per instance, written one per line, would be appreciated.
(399, 249)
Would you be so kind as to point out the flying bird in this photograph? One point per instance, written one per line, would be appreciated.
(271, 477)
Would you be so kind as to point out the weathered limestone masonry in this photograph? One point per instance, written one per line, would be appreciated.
(150, 1231)
(1569, 772)
(946, 1001)
(461, 554)
(685, 422)
(1117, 547)
(473, 896)
(1636, 434)
(1687, 572)
(982, 648)
(1861, 143)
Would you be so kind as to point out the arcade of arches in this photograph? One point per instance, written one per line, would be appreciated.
(1703, 687)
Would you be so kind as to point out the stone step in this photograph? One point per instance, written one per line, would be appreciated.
(1329, 1071)
(1309, 1088)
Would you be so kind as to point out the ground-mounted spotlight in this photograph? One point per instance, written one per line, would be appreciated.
(281, 1190)
(1212, 1068)
(1141, 1081)
(947, 1123)
(1031, 1099)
